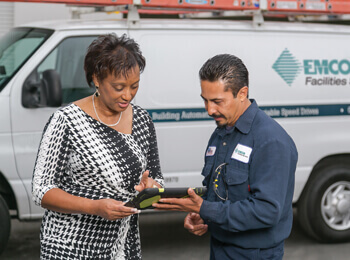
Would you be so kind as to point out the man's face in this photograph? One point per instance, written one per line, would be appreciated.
(220, 104)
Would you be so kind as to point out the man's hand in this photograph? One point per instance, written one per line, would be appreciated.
(195, 224)
(147, 182)
(191, 204)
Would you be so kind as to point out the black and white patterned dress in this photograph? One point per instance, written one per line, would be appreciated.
(85, 158)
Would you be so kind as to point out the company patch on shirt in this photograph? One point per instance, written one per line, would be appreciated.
(242, 153)
(211, 151)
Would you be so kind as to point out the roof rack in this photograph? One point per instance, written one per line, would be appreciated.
(295, 6)
(258, 9)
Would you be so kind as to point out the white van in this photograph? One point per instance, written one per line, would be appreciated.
(299, 74)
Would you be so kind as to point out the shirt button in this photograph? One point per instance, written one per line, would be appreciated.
(224, 143)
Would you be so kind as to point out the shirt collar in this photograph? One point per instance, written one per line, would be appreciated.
(244, 122)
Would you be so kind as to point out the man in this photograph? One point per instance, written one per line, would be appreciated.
(249, 171)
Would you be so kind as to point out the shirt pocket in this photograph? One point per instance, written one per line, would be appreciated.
(237, 183)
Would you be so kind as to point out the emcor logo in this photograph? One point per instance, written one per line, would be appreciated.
(288, 67)
(325, 67)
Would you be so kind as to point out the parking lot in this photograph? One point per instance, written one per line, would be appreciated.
(163, 237)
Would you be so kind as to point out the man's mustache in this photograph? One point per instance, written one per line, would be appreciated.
(216, 116)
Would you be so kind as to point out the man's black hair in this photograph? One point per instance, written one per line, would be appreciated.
(228, 68)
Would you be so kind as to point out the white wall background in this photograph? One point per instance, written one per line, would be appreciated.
(15, 14)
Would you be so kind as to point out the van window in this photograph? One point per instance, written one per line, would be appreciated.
(16, 47)
(68, 60)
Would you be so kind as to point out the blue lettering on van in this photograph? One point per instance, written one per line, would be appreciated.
(326, 67)
(175, 115)
(307, 110)
(200, 114)
(288, 68)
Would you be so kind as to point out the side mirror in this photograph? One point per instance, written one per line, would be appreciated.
(46, 92)
(31, 91)
(51, 83)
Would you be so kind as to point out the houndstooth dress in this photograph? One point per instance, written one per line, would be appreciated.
(85, 158)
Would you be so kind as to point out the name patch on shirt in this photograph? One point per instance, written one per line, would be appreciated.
(211, 151)
(242, 153)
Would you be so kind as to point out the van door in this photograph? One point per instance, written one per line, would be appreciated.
(170, 91)
(64, 54)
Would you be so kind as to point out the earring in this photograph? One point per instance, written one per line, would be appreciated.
(97, 93)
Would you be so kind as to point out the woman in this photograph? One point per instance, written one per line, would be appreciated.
(93, 157)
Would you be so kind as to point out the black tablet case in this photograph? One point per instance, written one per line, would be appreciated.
(147, 197)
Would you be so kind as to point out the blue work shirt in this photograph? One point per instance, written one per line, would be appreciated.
(259, 160)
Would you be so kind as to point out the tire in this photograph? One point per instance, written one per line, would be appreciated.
(5, 222)
(324, 207)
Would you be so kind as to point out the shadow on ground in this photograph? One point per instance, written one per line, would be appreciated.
(163, 237)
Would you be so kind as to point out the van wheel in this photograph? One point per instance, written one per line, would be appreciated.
(324, 208)
(5, 221)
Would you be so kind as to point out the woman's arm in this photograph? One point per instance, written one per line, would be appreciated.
(61, 201)
(49, 168)
(153, 164)
(52, 157)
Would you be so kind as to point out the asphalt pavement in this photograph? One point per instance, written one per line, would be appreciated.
(163, 237)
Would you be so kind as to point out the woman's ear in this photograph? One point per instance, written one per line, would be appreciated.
(94, 79)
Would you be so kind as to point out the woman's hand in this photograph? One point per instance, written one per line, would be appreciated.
(112, 209)
(147, 182)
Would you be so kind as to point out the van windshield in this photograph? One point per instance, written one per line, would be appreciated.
(16, 47)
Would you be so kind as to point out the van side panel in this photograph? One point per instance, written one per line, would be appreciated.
(170, 91)
(306, 89)
(7, 160)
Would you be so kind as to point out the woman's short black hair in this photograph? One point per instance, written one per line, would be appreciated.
(228, 68)
(112, 54)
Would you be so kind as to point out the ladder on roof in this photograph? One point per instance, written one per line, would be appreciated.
(256, 8)
(276, 6)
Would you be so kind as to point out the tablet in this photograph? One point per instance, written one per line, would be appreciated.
(147, 197)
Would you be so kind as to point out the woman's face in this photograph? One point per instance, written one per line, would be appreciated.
(116, 93)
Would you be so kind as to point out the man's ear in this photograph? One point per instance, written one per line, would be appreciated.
(243, 93)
